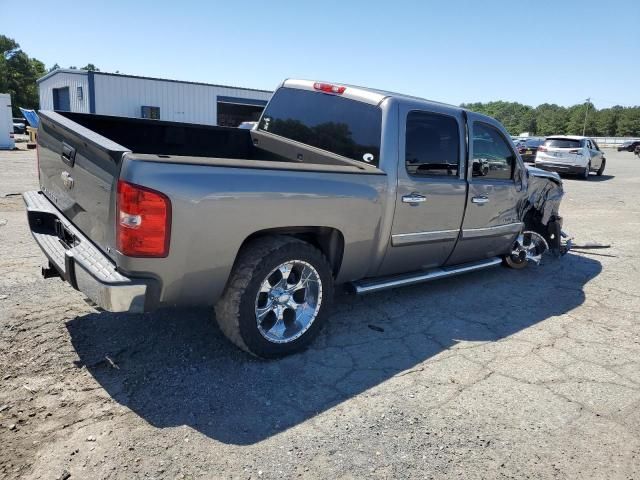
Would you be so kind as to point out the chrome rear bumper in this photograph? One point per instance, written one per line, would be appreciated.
(81, 263)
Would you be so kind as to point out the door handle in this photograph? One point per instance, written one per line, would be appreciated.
(68, 154)
(480, 200)
(414, 198)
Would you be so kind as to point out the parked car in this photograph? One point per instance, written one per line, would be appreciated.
(629, 146)
(336, 185)
(527, 148)
(571, 154)
(19, 126)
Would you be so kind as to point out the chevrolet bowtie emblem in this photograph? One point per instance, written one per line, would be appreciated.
(67, 180)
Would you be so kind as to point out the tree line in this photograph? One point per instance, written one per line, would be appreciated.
(19, 72)
(552, 119)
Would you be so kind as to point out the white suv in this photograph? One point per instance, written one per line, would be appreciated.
(570, 154)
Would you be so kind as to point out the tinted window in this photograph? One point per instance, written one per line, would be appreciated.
(562, 143)
(533, 142)
(432, 144)
(330, 122)
(492, 156)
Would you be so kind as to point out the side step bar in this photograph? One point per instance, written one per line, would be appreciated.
(373, 285)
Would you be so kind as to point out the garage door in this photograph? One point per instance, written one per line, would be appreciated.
(232, 111)
(61, 99)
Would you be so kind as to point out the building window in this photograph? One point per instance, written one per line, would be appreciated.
(79, 93)
(150, 112)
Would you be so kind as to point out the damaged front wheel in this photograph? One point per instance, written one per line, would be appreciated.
(528, 247)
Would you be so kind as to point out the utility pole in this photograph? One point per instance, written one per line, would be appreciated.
(584, 128)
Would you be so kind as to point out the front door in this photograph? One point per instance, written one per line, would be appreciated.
(491, 222)
(431, 191)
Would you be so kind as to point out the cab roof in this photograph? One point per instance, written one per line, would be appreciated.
(364, 94)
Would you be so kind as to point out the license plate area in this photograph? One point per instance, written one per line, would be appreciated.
(67, 238)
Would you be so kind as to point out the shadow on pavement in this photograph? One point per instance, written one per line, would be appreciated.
(176, 368)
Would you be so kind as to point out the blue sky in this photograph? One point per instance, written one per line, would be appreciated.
(455, 51)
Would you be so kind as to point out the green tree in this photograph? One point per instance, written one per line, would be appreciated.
(551, 119)
(576, 119)
(91, 67)
(18, 75)
(629, 122)
(607, 121)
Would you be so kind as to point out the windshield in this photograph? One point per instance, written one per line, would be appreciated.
(562, 143)
(336, 124)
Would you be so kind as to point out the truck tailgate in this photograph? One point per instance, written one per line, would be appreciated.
(78, 172)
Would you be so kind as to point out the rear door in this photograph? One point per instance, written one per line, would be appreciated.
(431, 191)
(491, 220)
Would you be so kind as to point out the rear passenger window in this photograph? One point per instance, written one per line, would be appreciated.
(493, 159)
(432, 145)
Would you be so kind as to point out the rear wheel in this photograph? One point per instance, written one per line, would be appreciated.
(586, 171)
(277, 297)
(601, 169)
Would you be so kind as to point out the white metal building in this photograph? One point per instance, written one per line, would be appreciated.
(6, 123)
(144, 97)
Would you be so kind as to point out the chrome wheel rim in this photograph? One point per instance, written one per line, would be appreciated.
(529, 247)
(288, 301)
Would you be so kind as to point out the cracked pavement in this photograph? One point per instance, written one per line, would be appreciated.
(495, 374)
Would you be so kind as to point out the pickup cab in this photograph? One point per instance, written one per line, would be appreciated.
(335, 184)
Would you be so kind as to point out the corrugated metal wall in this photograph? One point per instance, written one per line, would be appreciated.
(61, 80)
(178, 102)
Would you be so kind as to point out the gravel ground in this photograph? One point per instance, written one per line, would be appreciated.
(497, 374)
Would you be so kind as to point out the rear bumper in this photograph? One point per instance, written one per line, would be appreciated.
(82, 264)
(559, 167)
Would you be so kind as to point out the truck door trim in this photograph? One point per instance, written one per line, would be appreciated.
(401, 239)
(492, 231)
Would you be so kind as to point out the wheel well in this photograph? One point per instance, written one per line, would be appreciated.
(329, 241)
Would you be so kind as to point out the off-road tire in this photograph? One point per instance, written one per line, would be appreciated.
(235, 311)
(601, 169)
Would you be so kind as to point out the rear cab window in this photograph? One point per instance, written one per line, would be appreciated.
(330, 122)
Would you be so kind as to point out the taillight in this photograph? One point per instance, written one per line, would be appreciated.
(577, 152)
(329, 88)
(521, 149)
(542, 149)
(143, 221)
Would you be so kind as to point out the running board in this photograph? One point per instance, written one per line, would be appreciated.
(373, 285)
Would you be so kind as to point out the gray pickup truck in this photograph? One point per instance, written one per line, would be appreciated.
(335, 185)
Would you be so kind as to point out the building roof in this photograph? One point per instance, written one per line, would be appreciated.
(84, 72)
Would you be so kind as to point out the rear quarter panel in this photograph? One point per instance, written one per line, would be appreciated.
(214, 209)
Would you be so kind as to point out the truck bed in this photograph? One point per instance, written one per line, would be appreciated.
(168, 138)
(212, 175)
